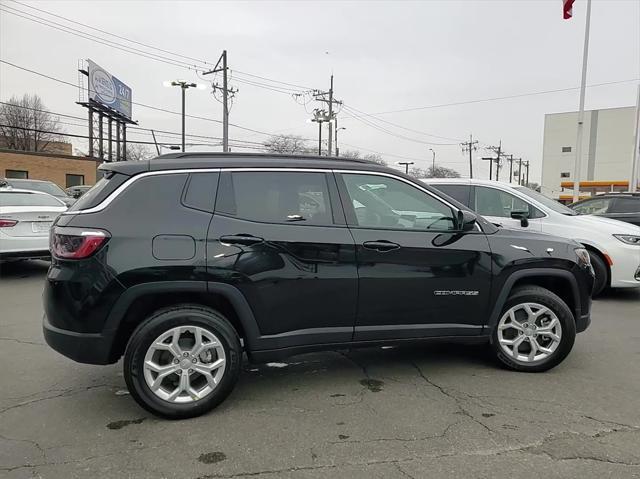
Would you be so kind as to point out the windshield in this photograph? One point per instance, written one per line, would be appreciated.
(44, 186)
(548, 202)
(14, 198)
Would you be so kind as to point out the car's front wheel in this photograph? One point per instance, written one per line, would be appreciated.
(535, 332)
(182, 361)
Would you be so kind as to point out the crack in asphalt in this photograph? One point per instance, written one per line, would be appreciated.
(461, 409)
(22, 341)
(441, 435)
(64, 393)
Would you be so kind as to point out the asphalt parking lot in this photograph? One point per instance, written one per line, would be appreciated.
(412, 412)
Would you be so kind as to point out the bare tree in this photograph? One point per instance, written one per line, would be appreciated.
(27, 125)
(355, 154)
(137, 152)
(431, 172)
(286, 144)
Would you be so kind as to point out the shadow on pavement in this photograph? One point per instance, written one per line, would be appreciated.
(619, 294)
(23, 269)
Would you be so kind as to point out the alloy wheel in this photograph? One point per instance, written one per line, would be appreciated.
(529, 332)
(184, 364)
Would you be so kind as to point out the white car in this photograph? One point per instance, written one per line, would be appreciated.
(25, 219)
(614, 246)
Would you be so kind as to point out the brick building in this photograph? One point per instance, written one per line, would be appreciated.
(63, 169)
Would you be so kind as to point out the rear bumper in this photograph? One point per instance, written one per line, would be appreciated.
(89, 348)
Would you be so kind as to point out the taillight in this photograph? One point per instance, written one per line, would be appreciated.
(4, 223)
(76, 245)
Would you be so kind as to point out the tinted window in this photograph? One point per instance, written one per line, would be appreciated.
(8, 198)
(201, 191)
(462, 193)
(597, 206)
(383, 202)
(276, 197)
(626, 205)
(44, 186)
(98, 192)
(498, 203)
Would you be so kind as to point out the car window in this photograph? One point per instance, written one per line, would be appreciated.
(626, 205)
(276, 197)
(383, 202)
(44, 186)
(462, 193)
(595, 206)
(200, 192)
(495, 202)
(14, 198)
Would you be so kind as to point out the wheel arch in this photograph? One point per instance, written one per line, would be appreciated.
(558, 281)
(139, 301)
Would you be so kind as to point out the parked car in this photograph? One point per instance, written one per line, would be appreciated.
(184, 262)
(614, 246)
(48, 187)
(617, 206)
(77, 191)
(25, 219)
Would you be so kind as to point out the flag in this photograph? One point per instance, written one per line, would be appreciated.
(567, 9)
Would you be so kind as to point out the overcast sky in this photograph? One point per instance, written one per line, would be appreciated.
(385, 56)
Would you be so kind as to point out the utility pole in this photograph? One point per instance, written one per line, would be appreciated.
(470, 146)
(406, 165)
(510, 160)
(322, 96)
(498, 151)
(226, 94)
(527, 177)
(433, 168)
(520, 171)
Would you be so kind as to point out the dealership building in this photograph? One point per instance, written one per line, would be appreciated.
(607, 151)
(55, 163)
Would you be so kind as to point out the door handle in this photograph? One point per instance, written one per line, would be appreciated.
(381, 245)
(244, 239)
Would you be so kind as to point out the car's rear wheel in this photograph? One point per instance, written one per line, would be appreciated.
(535, 331)
(602, 273)
(182, 361)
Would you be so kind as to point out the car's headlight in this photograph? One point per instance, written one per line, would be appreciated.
(629, 239)
(584, 259)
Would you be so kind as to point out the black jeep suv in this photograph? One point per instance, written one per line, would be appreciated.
(184, 262)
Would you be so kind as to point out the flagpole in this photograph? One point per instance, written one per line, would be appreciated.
(633, 183)
(577, 167)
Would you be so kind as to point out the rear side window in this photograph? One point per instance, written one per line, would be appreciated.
(98, 192)
(200, 192)
(9, 198)
(626, 205)
(276, 197)
(461, 193)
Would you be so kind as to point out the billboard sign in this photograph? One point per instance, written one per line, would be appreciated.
(108, 91)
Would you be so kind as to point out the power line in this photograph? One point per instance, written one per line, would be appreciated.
(507, 97)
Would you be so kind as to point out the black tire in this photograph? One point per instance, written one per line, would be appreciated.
(602, 273)
(164, 320)
(544, 297)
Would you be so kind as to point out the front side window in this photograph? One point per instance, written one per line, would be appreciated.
(498, 203)
(596, 206)
(383, 202)
(276, 197)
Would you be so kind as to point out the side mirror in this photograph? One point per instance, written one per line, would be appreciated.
(466, 220)
(523, 216)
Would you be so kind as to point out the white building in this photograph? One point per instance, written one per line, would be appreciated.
(607, 149)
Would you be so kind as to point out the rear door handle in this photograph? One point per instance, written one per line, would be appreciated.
(244, 239)
(381, 245)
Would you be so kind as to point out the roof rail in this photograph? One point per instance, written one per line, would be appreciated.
(216, 154)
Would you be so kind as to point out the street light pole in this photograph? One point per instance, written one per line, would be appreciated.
(433, 168)
(184, 85)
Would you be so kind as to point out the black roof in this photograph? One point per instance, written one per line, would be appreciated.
(177, 161)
